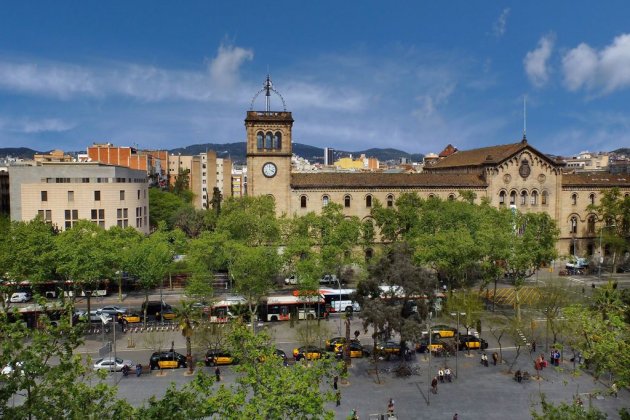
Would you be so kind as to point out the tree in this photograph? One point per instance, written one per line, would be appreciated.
(264, 388)
(614, 211)
(190, 220)
(54, 382)
(600, 334)
(468, 303)
(401, 306)
(188, 317)
(149, 261)
(164, 206)
(564, 411)
(27, 252)
(82, 259)
(181, 187)
(553, 297)
(117, 243)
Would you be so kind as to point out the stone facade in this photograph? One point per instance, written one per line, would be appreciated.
(515, 175)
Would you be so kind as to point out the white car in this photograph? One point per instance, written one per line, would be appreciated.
(20, 297)
(8, 369)
(291, 280)
(108, 363)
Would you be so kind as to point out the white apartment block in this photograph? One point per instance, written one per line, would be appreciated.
(65, 192)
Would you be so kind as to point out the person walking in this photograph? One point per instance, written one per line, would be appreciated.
(335, 381)
(455, 417)
(495, 358)
(533, 349)
(441, 375)
(434, 384)
(354, 415)
(447, 374)
(390, 407)
(338, 398)
(217, 373)
(613, 390)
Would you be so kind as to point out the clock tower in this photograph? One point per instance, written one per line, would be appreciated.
(269, 150)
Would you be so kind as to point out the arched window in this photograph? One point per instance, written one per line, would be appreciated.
(591, 198)
(303, 201)
(513, 198)
(431, 196)
(277, 140)
(368, 201)
(451, 197)
(573, 225)
(534, 199)
(390, 200)
(590, 227)
(325, 200)
(523, 198)
(259, 139)
(268, 140)
(574, 199)
(346, 201)
(502, 198)
(590, 249)
(545, 195)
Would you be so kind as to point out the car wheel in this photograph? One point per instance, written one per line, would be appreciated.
(210, 363)
(274, 319)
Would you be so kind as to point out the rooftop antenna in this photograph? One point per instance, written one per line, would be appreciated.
(524, 117)
(268, 88)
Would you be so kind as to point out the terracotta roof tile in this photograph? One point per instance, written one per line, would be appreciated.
(482, 156)
(383, 180)
(596, 179)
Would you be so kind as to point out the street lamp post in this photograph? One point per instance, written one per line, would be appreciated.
(339, 285)
(457, 341)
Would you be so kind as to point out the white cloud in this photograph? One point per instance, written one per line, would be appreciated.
(31, 126)
(430, 102)
(146, 83)
(498, 29)
(602, 71)
(536, 61)
(225, 66)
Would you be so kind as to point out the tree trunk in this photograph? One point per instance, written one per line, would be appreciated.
(189, 359)
(518, 353)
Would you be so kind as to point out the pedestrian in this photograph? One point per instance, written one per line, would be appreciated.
(217, 373)
(518, 376)
(434, 383)
(356, 334)
(613, 390)
(447, 374)
(533, 350)
(455, 417)
(441, 375)
(338, 398)
(495, 358)
(390, 407)
(335, 380)
(354, 415)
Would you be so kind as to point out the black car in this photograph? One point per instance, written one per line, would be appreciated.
(158, 310)
(167, 360)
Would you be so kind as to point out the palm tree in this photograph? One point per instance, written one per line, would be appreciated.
(188, 318)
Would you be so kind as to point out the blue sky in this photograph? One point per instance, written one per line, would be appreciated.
(356, 74)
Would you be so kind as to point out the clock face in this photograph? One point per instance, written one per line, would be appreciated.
(269, 170)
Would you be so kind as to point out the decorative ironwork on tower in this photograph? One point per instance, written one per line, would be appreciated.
(268, 88)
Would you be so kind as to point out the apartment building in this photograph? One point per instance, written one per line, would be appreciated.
(64, 192)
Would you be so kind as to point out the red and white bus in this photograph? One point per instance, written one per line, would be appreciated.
(283, 307)
(227, 309)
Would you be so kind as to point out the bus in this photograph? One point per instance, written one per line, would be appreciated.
(340, 300)
(397, 293)
(227, 309)
(284, 307)
(30, 314)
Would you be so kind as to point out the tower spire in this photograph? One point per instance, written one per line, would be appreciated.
(524, 118)
(268, 88)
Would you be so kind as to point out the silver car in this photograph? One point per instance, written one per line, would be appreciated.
(108, 363)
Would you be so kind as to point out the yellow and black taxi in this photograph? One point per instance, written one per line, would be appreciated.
(308, 353)
(332, 343)
(355, 348)
(444, 331)
(130, 318)
(167, 360)
(387, 348)
(470, 342)
(219, 357)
